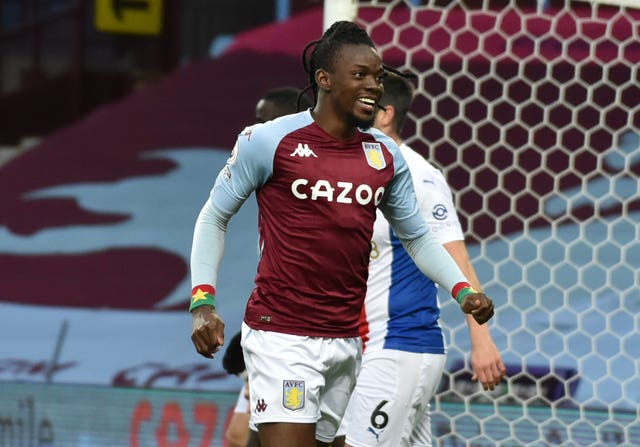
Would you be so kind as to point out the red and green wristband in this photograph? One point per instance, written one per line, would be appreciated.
(201, 295)
(461, 290)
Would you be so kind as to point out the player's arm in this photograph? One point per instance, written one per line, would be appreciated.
(486, 361)
(436, 203)
(248, 167)
(207, 331)
(435, 262)
(401, 209)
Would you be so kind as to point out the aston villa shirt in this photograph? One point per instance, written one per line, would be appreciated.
(317, 199)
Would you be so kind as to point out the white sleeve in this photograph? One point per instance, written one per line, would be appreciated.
(401, 209)
(434, 198)
(399, 204)
(208, 245)
(248, 168)
(434, 261)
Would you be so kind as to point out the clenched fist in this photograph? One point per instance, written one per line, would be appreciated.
(207, 331)
(479, 306)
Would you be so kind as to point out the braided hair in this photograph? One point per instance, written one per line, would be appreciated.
(341, 33)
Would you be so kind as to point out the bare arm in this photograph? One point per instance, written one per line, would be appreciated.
(485, 358)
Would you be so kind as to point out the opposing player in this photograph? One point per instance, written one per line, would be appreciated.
(319, 177)
(404, 348)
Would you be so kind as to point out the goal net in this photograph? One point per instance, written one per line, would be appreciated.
(531, 109)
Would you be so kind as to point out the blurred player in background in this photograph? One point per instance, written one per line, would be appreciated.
(403, 345)
(280, 101)
(237, 433)
(319, 177)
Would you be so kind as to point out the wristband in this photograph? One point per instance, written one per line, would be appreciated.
(461, 290)
(201, 295)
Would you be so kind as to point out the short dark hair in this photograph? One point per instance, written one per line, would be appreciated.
(398, 92)
(286, 99)
(233, 360)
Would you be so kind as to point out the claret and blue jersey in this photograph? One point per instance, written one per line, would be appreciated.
(317, 199)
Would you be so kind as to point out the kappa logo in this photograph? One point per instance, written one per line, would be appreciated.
(261, 406)
(303, 150)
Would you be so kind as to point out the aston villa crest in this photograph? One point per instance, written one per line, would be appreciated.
(293, 394)
(375, 158)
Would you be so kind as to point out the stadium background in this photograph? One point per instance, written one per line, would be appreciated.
(531, 110)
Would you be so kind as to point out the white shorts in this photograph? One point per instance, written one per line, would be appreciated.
(390, 404)
(300, 379)
(242, 404)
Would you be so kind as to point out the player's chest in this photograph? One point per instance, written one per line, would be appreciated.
(367, 165)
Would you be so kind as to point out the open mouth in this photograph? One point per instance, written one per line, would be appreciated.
(368, 104)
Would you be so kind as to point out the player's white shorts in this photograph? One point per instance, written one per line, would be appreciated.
(300, 379)
(390, 404)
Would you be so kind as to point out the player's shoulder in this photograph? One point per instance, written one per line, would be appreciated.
(425, 174)
(381, 137)
(415, 158)
(276, 129)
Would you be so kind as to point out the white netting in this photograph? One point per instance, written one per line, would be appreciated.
(532, 111)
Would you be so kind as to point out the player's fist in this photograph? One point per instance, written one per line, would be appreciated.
(207, 330)
(479, 306)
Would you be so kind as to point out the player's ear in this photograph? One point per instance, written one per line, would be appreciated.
(386, 116)
(323, 80)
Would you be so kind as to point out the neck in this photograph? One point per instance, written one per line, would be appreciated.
(339, 129)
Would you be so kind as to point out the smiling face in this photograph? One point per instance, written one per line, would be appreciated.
(353, 85)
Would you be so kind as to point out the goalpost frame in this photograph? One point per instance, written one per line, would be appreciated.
(335, 10)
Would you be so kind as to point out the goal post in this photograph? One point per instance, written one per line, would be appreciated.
(629, 3)
(533, 114)
(335, 10)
